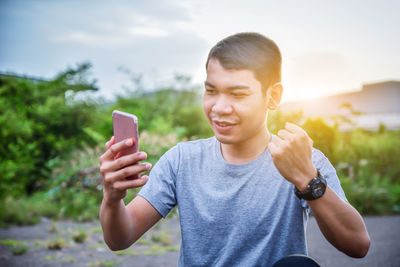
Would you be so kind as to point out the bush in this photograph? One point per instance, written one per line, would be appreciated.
(38, 123)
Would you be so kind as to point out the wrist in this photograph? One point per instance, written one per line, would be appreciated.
(111, 203)
(314, 190)
(304, 180)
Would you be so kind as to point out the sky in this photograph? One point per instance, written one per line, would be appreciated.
(328, 47)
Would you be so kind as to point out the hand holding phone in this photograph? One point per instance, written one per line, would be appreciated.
(114, 171)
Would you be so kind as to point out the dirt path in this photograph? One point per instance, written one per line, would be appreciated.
(52, 244)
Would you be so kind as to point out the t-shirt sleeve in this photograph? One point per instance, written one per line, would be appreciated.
(328, 171)
(160, 189)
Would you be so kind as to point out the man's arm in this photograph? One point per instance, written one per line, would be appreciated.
(123, 225)
(340, 223)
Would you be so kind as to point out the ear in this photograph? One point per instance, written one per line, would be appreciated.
(274, 95)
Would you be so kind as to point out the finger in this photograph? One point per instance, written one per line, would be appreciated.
(285, 135)
(297, 130)
(126, 160)
(293, 128)
(119, 163)
(118, 147)
(127, 171)
(126, 184)
(110, 142)
(277, 140)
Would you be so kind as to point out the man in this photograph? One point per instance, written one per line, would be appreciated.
(235, 191)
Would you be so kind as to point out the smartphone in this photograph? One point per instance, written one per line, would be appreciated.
(125, 125)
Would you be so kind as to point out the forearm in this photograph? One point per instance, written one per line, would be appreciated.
(341, 224)
(117, 225)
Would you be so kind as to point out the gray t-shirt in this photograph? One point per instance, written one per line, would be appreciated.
(231, 214)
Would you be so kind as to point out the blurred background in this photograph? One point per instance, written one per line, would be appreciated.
(65, 65)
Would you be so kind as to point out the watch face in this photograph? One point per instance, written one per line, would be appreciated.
(318, 190)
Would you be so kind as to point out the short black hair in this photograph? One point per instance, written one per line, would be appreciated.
(251, 51)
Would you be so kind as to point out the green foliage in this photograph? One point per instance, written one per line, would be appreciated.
(19, 250)
(370, 168)
(127, 252)
(167, 110)
(277, 119)
(26, 210)
(379, 151)
(50, 257)
(56, 243)
(54, 228)
(323, 135)
(48, 137)
(163, 237)
(12, 242)
(79, 235)
(155, 250)
(38, 123)
(372, 194)
(104, 263)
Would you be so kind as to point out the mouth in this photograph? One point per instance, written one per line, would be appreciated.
(223, 126)
(224, 123)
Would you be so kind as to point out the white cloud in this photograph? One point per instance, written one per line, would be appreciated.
(148, 31)
(78, 37)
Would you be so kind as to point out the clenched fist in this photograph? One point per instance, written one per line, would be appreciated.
(291, 153)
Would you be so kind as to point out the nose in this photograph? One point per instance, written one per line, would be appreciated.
(222, 106)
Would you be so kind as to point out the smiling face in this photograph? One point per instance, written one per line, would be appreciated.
(234, 104)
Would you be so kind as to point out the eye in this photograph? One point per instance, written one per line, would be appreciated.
(210, 91)
(239, 94)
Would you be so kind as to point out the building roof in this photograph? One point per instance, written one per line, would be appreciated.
(383, 97)
(368, 108)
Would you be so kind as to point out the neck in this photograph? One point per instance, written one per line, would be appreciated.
(247, 150)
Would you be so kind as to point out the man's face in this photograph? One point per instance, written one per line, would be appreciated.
(234, 104)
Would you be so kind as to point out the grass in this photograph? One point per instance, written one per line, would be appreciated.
(50, 257)
(172, 248)
(164, 237)
(96, 246)
(26, 210)
(12, 242)
(104, 263)
(57, 243)
(39, 244)
(69, 259)
(19, 250)
(142, 241)
(18, 247)
(79, 235)
(155, 250)
(126, 252)
(54, 228)
(95, 230)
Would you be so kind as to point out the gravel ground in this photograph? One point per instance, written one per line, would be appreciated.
(384, 251)
(159, 247)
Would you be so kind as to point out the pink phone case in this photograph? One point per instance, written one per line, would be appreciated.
(125, 126)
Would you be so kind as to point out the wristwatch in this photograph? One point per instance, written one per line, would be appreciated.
(315, 189)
